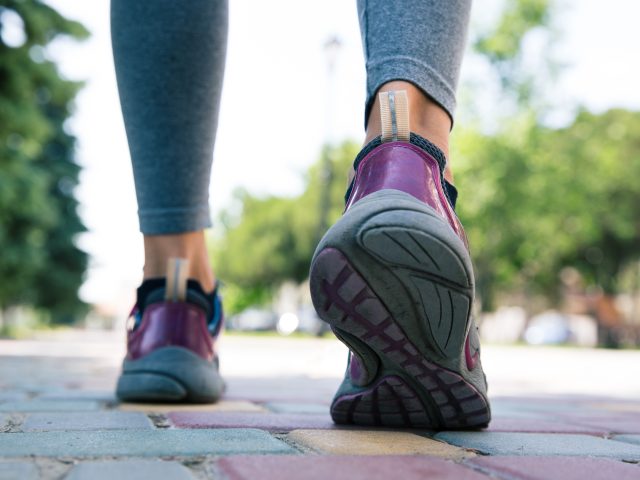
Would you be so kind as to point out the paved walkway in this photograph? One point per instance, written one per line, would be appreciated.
(558, 414)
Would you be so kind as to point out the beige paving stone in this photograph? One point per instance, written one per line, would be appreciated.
(375, 442)
(221, 406)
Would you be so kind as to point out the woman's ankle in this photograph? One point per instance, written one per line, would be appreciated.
(158, 249)
(426, 118)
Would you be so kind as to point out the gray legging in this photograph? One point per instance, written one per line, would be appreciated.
(169, 59)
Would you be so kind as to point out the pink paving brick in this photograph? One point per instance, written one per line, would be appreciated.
(344, 467)
(265, 421)
(609, 422)
(557, 468)
(530, 425)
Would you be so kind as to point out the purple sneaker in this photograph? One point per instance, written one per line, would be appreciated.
(170, 343)
(393, 278)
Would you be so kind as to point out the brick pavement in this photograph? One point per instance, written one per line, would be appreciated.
(59, 420)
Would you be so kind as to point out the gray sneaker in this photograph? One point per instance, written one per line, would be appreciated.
(393, 279)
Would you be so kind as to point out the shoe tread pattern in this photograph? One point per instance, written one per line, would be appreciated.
(345, 301)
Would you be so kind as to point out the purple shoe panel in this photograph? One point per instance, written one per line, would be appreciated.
(405, 167)
(357, 372)
(165, 324)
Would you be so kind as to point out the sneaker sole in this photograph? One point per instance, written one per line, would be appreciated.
(170, 374)
(416, 267)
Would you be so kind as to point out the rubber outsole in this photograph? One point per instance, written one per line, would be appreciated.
(170, 374)
(395, 284)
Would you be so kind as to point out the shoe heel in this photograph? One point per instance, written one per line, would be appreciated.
(409, 390)
(434, 278)
(151, 387)
(171, 374)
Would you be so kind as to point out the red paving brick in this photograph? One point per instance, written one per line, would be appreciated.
(557, 468)
(344, 467)
(266, 421)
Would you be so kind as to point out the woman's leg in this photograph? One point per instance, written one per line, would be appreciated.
(169, 60)
(415, 46)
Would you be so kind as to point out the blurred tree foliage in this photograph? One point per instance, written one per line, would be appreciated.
(544, 198)
(536, 199)
(271, 239)
(40, 265)
(502, 45)
(533, 198)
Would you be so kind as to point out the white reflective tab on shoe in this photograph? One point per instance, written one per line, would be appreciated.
(394, 114)
(177, 275)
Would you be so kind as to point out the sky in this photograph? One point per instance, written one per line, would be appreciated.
(276, 48)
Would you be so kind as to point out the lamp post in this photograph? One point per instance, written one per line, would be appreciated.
(331, 49)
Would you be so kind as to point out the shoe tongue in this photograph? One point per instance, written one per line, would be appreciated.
(154, 290)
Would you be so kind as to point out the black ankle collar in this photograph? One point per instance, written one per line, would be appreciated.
(153, 291)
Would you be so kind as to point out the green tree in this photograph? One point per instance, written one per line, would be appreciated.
(534, 199)
(542, 199)
(496, 173)
(271, 239)
(503, 44)
(599, 155)
(39, 264)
